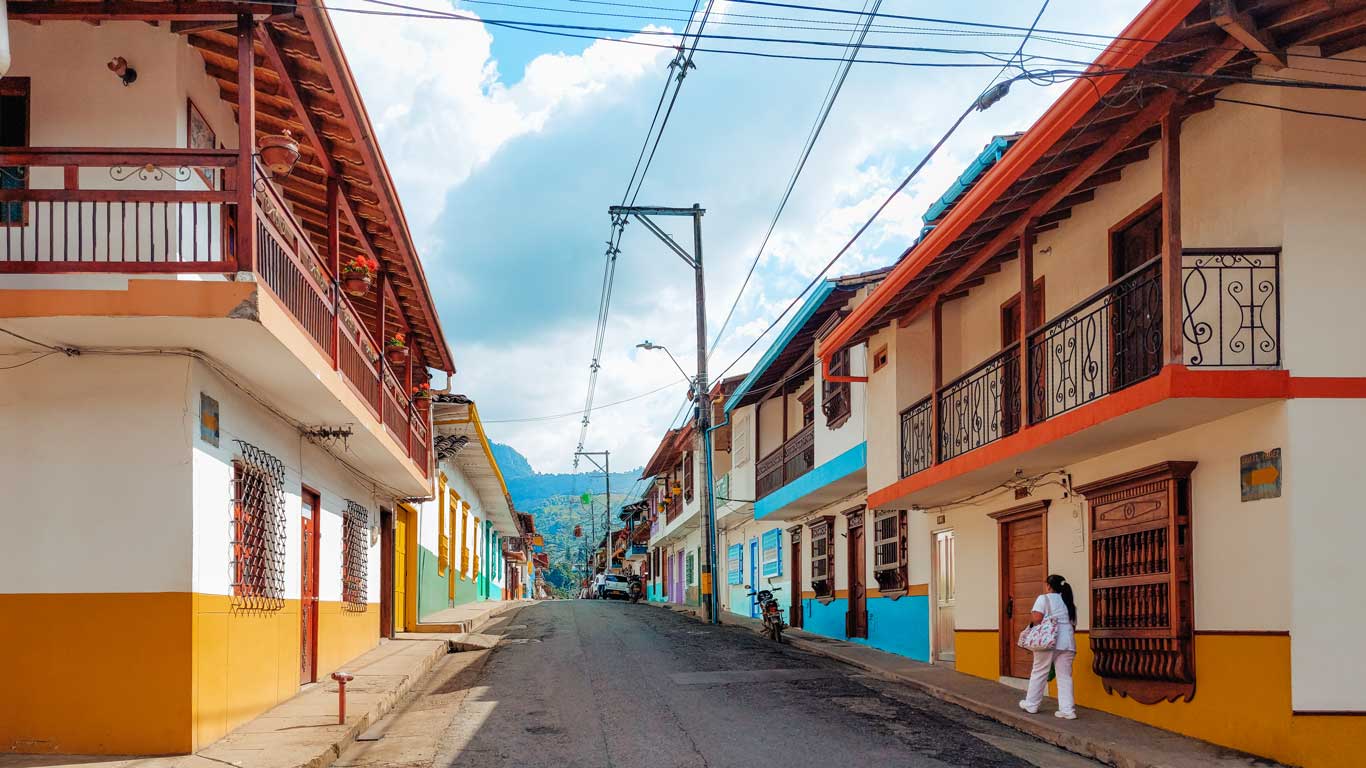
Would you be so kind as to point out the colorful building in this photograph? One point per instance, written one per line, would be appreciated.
(458, 541)
(1123, 351)
(212, 419)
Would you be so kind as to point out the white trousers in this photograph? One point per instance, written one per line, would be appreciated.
(1061, 661)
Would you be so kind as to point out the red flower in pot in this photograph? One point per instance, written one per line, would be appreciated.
(358, 274)
(422, 393)
(395, 349)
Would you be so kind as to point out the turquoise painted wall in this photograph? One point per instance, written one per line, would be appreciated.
(431, 587)
(739, 599)
(900, 626)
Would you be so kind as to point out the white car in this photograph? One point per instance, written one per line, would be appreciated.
(617, 587)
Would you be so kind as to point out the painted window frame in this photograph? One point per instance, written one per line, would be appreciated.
(771, 541)
(735, 564)
(890, 532)
(823, 557)
(443, 541)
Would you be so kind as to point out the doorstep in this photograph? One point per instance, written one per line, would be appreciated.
(1098, 735)
(464, 618)
(301, 732)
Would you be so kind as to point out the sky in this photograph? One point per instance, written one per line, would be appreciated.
(508, 146)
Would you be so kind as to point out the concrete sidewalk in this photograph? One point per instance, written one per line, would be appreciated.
(464, 618)
(303, 732)
(1098, 735)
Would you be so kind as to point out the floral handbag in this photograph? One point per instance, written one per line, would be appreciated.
(1040, 637)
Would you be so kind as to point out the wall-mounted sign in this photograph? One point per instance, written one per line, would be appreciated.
(208, 419)
(1261, 475)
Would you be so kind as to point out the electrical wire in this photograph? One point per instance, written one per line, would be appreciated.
(40, 356)
(831, 94)
(566, 414)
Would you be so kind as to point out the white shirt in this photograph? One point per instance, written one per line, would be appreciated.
(1051, 604)
(600, 579)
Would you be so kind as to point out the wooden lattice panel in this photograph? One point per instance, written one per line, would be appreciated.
(1140, 574)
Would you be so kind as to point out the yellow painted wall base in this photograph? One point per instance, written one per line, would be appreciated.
(96, 674)
(154, 673)
(1242, 699)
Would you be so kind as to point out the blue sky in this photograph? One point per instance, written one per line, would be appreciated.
(509, 146)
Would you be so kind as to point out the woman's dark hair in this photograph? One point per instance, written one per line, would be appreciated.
(1059, 584)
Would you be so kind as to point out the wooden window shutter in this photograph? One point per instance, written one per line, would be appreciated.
(1142, 627)
(823, 557)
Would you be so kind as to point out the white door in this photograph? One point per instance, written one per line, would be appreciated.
(945, 589)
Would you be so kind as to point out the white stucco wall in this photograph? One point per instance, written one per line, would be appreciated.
(833, 442)
(305, 464)
(95, 467)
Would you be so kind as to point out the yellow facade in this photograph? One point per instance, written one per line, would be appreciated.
(201, 668)
(1242, 699)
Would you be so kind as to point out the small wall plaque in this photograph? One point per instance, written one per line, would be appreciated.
(208, 419)
(1261, 475)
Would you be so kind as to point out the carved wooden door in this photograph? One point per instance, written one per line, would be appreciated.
(856, 620)
(1141, 618)
(794, 612)
(1023, 569)
(308, 588)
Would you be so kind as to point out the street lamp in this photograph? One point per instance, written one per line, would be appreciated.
(650, 345)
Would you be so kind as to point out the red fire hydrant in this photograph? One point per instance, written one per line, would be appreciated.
(342, 679)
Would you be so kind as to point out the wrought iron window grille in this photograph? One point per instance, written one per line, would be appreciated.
(355, 556)
(259, 531)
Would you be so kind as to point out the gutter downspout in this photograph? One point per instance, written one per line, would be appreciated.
(4, 39)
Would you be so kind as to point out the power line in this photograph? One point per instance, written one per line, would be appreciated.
(831, 94)
(567, 414)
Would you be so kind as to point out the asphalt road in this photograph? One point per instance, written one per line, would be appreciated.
(585, 684)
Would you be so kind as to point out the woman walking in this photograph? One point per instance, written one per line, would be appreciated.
(1055, 603)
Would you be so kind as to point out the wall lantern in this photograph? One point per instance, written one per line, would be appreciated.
(119, 66)
(278, 153)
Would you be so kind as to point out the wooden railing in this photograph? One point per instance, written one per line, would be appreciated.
(103, 210)
(173, 210)
(791, 460)
(1104, 343)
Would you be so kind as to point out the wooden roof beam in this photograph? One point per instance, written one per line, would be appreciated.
(1331, 28)
(1241, 27)
(135, 10)
(291, 92)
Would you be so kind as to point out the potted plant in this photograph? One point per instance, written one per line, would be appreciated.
(395, 350)
(422, 394)
(279, 153)
(358, 274)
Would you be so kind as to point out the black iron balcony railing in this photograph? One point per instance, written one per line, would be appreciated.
(788, 462)
(1108, 341)
(981, 406)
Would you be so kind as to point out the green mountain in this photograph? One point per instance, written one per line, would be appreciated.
(555, 501)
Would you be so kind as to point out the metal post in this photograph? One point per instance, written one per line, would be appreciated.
(607, 475)
(703, 404)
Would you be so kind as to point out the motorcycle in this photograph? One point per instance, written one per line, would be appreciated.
(635, 589)
(770, 612)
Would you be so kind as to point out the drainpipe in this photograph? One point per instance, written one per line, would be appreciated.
(4, 39)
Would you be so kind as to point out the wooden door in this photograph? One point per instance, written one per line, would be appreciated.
(945, 595)
(1135, 316)
(1010, 336)
(1023, 570)
(402, 520)
(795, 612)
(308, 588)
(856, 619)
(386, 573)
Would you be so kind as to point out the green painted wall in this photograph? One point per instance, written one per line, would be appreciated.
(431, 595)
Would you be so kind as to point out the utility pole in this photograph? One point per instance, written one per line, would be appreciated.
(606, 469)
(701, 399)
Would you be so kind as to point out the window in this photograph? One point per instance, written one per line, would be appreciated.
(258, 530)
(443, 541)
(890, 550)
(835, 395)
(1141, 622)
(771, 554)
(688, 476)
(808, 401)
(14, 133)
(823, 557)
(355, 556)
(880, 358)
(735, 564)
(464, 538)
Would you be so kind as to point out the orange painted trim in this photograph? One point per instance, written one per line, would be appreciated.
(142, 298)
(1174, 381)
(1328, 386)
(1152, 24)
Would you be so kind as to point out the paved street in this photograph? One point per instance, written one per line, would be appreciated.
(587, 683)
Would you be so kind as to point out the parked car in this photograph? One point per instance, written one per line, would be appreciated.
(617, 587)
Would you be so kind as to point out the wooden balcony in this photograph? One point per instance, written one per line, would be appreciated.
(148, 212)
(1104, 344)
(788, 462)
